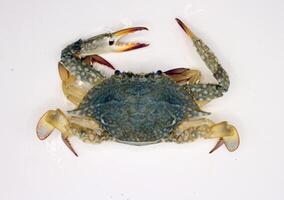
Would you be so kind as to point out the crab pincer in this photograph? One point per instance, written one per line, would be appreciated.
(121, 46)
(109, 42)
(78, 57)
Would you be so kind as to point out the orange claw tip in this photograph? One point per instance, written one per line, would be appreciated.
(133, 46)
(138, 28)
(130, 46)
(120, 46)
(126, 31)
(184, 27)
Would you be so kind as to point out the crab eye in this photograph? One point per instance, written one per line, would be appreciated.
(159, 72)
(77, 45)
(117, 72)
(111, 42)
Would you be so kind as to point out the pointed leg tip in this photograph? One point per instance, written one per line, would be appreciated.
(69, 145)
(76, 154)
(184, 27)
(217, 146)
(178, 21)
(134, 29)
(144, 28)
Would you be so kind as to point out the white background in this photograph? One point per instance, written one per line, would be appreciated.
(247, 36)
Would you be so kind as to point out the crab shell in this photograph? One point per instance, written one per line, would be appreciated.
(138, 109)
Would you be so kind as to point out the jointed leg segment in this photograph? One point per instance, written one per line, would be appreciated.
(204, 128)
(184, 75)
(205, 92)
(87, 130)
(90, 60)
(73, 89)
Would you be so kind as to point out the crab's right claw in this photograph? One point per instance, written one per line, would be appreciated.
(228, 135)
(120, 46)
(55, 119)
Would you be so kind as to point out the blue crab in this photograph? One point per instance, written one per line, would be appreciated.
(136, 109)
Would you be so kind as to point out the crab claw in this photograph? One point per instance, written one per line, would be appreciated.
(106, 43)
(121, 46)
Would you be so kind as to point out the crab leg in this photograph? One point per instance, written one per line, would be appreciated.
(192, 129)
(184, 75)
(86, 129)
(205, 92)
(76, 66)
(90, 60)
(55, 119)
(73, 89)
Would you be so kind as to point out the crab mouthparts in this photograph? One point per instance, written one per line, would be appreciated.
(122, 46)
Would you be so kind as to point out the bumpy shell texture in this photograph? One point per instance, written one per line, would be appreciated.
(138, 109)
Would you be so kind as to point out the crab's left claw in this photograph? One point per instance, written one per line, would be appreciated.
(55, 119)
(120, 46)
